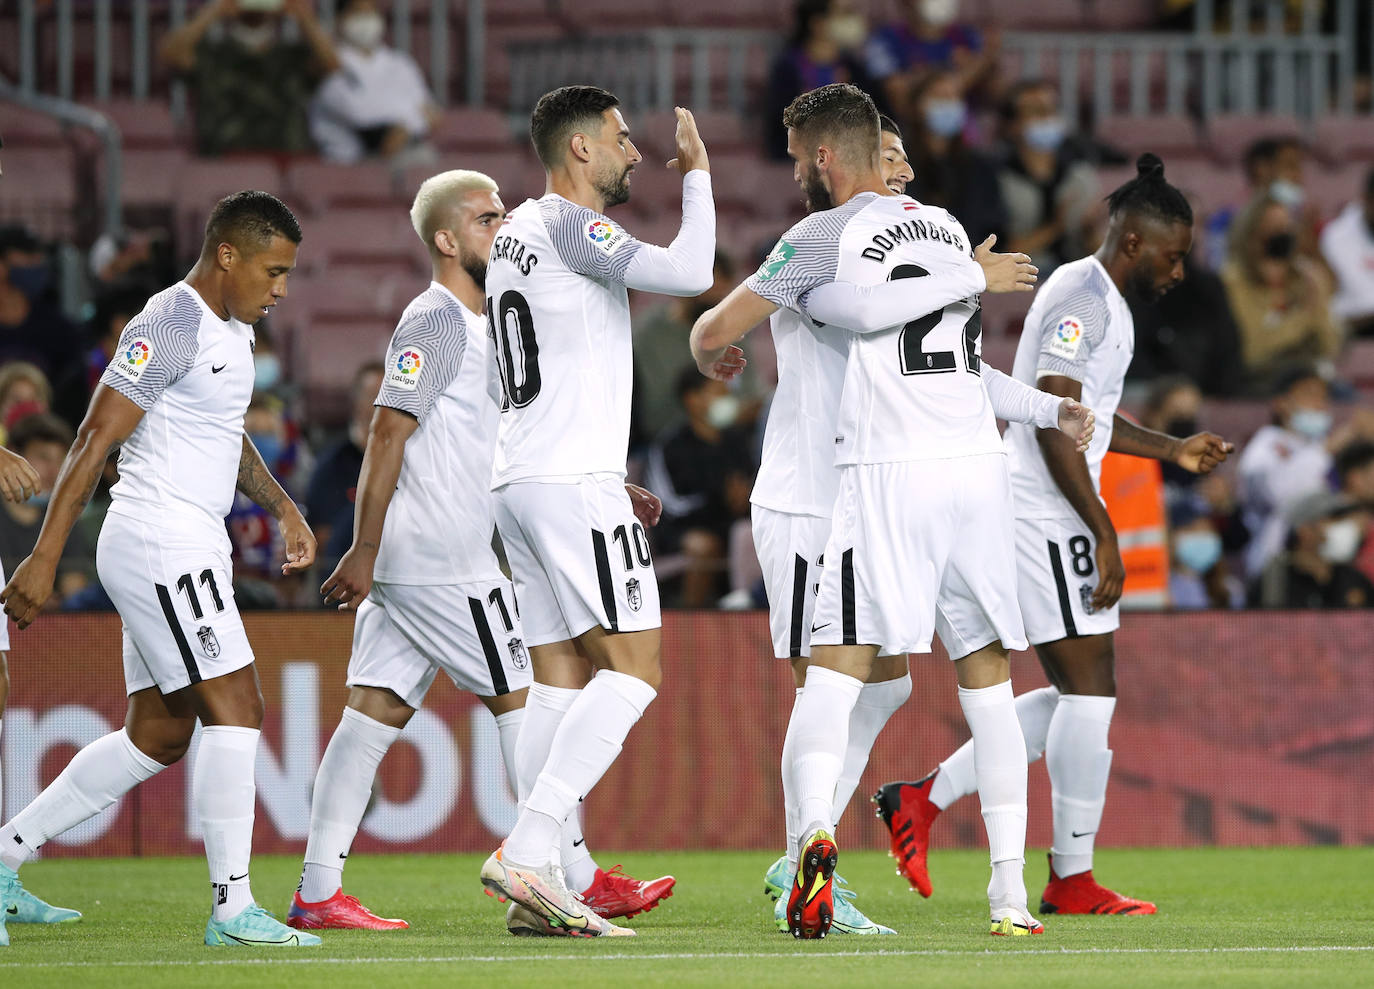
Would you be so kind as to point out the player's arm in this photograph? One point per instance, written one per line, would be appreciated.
(1200, 453)
(716, 330)
(108, 423)
(257, 482)
(1016, 401)
(18, 479)
(1069, 469)
(351, 581)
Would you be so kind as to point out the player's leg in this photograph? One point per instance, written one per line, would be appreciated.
(886, 689)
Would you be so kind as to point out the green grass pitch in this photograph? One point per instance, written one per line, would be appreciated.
(1264, 917)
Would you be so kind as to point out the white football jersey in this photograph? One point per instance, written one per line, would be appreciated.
(559, 318)
(797, 471)
(911, 392)
(192, 374)
(1079, 326)
(440, 520)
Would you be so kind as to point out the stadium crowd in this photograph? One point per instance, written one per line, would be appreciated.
(1276, 292)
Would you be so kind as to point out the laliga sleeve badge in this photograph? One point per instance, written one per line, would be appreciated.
(405, 368)
(605, 236)
(1066, 338)
(131, 360)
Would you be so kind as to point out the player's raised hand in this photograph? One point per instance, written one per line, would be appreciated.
(1077, 422)
(18, 480)
(299, 541)
(1111, 574)
(724, 366)
(351, 581)
(1203, 453)
(648, 508)
(1005, 272)
(28, 590)
(691, 149)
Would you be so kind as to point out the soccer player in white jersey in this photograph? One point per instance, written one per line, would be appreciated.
(427, 586)
(559, 317)
(174, 396)
(1078, 340)
(921, 532)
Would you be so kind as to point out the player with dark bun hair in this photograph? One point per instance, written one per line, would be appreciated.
(1078, 341)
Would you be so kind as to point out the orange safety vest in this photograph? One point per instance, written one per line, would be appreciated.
(1133, 489)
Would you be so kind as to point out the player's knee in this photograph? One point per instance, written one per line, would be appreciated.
(166, 742)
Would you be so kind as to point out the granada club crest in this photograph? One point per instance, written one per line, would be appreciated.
(1085, 594)
(633, 595)
(519, 658)
(209, 644)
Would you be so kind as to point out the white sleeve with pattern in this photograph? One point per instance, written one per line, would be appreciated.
(1016, 401)
(1072, 326)
(806, 257)
(684, 267)
(870, 308)
(156, 350)
(424, 357)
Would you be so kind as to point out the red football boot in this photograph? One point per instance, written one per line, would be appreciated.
(908, 813)
(614, 894)
(811, 905)
(339, 912)
(1081, 894)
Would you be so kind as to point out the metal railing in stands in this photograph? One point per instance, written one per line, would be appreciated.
(141, 15)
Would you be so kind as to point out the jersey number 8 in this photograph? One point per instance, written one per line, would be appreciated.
(916, 360)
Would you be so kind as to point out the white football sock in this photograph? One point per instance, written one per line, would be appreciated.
(545, 707)
(820, 738)
(876, 704)
(956, 777)
(96, 777)
(508, 732)
(999, 762)
(585, 745)
(789, 786)
(579, 869)
(1079, 763)
(343, 786)
(224, 791)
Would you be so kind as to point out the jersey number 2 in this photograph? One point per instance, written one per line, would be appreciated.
(916, 360)
(511, 328)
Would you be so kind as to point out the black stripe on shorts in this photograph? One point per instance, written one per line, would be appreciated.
(847, 624)
(603, 576)
(479, 621)
(799, 586)
(1065, 605)
(165, 599)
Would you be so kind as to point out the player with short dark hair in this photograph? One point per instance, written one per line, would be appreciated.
(173, 401)
(896, 165)
(1077, 342)
(558, 313)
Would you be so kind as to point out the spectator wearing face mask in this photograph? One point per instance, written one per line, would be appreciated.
(929, 37)
(43, 440)
(251, 86)
(1050, 196)
(1314, 570)
(1291, 458)
(24, 391)
(1198, 574)
(824, 47)
(950, 173)
(333, 487)
(377, 103)
(1347, 244)
(1280, 299)
(256, 545)
(703, 472)
(1275, 167)
(31, 326)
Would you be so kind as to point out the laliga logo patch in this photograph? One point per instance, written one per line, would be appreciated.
(1067, 338)
(605, 236)
(405, 369)
(131, 361)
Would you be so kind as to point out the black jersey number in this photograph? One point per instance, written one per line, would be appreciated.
(186, 584)
(914, 358)
(510, 325)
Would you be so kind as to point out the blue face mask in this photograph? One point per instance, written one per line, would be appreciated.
(946, 118)
(1198, 551)
(31, 279)
(269, 446)
(1046, 134)
(266, 372)
(1312, 423)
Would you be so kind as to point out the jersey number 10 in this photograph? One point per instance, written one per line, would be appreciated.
(515, 348)
(916, 360)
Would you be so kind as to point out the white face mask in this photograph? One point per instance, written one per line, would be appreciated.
(363, 30)
(723, 411)
(1340, 541)
(254, 37)
(848, 30)
(939, 12)
(1290, 194)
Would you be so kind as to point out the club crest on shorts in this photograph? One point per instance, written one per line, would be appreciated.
(208, 643)
(633, 596)
(1085, 594)
(519, 658)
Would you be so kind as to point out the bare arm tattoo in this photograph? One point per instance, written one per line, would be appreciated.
(257, 482)
(1137, 441)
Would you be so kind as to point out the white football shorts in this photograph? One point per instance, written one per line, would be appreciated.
(578, 556)
(1056, 566)
(919, 548)
(405, 633)
(173, 587)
